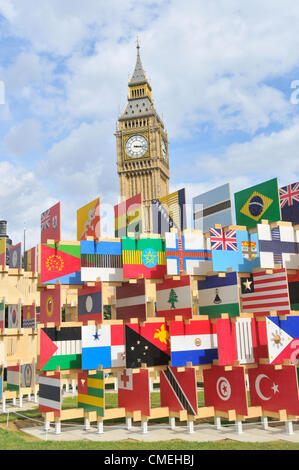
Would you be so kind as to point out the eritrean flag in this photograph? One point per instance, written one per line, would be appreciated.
(146, 257)
(61, 263)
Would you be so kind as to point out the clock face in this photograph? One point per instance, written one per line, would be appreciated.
(164, 150)
(136, 146)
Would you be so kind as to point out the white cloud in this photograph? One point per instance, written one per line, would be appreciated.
(24, 137)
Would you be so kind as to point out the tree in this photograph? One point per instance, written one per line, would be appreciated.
(173, 298)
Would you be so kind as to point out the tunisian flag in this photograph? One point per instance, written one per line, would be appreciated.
(225, 390)
(274, 389)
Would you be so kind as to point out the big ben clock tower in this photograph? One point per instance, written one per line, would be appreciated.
(142, 145)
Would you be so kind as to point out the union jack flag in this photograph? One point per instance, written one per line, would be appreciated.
(221, 240)
(45, 220)
(288, 195)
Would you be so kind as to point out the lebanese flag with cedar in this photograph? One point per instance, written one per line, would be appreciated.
(174, 298)
(226, 389)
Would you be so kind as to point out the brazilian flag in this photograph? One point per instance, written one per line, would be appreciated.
(258, 202)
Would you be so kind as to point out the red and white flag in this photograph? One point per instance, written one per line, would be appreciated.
(274, 389)
(178, 390)
(134, 391)
(174, 298)
(130, 301)
(262, 293)
(225, 390)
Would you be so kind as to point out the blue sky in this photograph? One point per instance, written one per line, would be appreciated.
(221, 73)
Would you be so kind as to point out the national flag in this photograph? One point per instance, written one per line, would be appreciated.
(174, 297)
(219, 295)
(90, 303)
(50, 224)
(27, 375)
(88, 220)
(226, 340)
(101, 259)
(194, 342)
(13, 378)
(2, 314)
(128, 216)
(283, 339)
(145, 257)
(61, 264)
(258, 202)
(15, 256)
(91, 392)
(3, 252)
(289, 203)
(131, 301)
(243, 259)
(189, 252)
(178, 390)
(50, 305)
(293, 282)
(60, 348)
(262, 293)
(103, 347)
(245, 340)
(14, 316)
(225, 389)
(278, 244)
(50, 394)
(29, 316)
(274, 389)
(221, 240)
(30, 260)
(212, 207)
(134, 391)
(169, 212)
(148, 344)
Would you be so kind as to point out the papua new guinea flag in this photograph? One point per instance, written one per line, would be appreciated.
(146, 256)
(148, 344)
(61, 264)
(283, 339)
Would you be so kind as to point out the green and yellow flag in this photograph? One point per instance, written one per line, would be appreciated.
(91, 392)
(258, 202)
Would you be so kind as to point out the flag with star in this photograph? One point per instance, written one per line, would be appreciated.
(289, 202)
(148, 344)
(258, 202)
(103, 346)
(91, 392)
(134, 391)
(283, 339)
(146, 257)
(274, 389)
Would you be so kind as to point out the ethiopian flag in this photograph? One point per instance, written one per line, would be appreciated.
(61, 263)
(91, 392)
(146, 256)
(258, 202)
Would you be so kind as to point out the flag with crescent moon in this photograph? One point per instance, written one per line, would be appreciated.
(274, 389)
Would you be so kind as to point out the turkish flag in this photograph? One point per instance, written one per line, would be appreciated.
(133, 391)
(274, 389)
(225, 389)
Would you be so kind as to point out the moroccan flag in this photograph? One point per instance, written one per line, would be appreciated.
(226, 390)
(50, 224)
(258, 202)
(29, 260)
(289, 203)
(60, 348)
(2, 314)
(61, 264)
(148, 344)
(134, 391)
(90, 303)
(131, 301)
(50, 394)
(88, 220)
(29, 316)
(178, 390)
(50, 305)
(128, 216)
(91, 392)
(3, 252)
(145, 257)
(283, 339)
(293, 282)
(174, 298)
(15, 256)
(274, 389)
(14, 378)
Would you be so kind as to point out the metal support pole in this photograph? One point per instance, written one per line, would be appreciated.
(239, 427)
(289, 427)
(129, 423)
(172, 422)
(58, 427)
(144, 427)
(100, 427)
(217, 422)
(190, 425)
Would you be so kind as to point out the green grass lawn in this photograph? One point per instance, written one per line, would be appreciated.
(18, 440)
